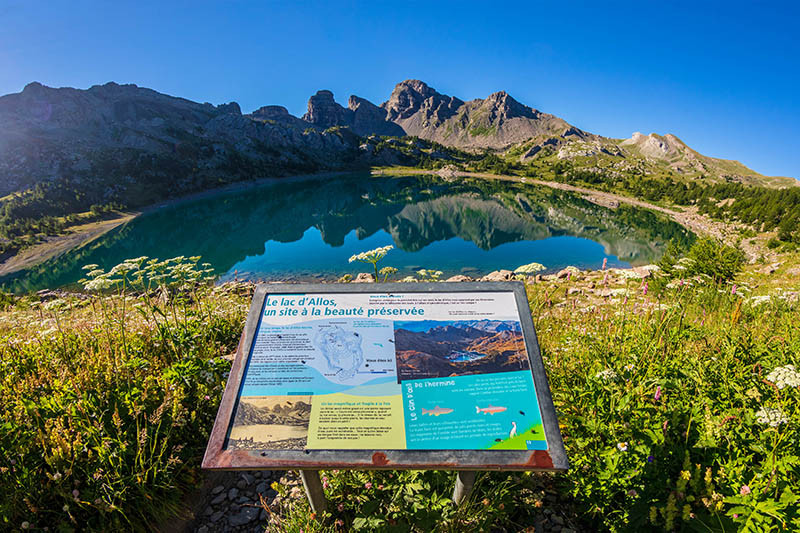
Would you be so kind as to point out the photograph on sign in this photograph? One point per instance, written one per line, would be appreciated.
(392, 371)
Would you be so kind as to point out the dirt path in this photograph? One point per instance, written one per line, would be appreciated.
(687, 217)
(54, 246)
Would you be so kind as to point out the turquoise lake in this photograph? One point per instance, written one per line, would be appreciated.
(307, 230)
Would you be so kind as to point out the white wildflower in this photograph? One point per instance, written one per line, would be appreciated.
(784, 376)
(772, 417)
(607, 375)
(530, 268)
(371, 256)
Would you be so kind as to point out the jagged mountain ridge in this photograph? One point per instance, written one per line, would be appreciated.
(501, 123)
(123, 141)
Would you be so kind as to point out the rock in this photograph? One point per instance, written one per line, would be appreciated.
(459, 277)
(364, 277)
(217, 489)
(771, 269)
(499, 275)
(574, 290)
(219, 499)
(244, 516)
(233, 493)
(261, 488)
(209, 511)
(569, 271)
(241, 484)
(202, 529)
(214, 518)
(248, 478)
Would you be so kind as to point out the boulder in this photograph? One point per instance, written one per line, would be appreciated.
(499, 275)
(565, 272)
(459, 277)
(364, 277)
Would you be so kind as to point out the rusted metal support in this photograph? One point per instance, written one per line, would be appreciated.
(465, 480)
(313, 486)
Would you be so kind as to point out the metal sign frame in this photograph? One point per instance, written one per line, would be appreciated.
(552, 459)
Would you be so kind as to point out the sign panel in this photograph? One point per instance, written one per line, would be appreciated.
(411, 370)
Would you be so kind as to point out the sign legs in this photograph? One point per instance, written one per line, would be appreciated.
(465, 479)
(313, 486)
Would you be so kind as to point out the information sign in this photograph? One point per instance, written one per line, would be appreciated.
(399, 375)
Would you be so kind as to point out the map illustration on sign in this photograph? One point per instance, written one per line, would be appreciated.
(406, 371)
(342, 349)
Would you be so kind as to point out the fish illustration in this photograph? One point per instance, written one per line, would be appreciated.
(492, 409)
(436, 411)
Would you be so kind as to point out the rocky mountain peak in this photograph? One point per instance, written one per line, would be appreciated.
(323, 111)
(412, 96)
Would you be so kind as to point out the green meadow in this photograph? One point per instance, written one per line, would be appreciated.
(678, 398)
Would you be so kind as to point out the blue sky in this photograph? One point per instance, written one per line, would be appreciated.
(721, 76)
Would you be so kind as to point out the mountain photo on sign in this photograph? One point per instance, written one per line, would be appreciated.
(438, 349)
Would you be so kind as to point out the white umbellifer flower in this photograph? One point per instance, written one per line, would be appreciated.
(758, 300)
(784, 376)
(530, 268)
(772, 417)
(371, 256)
(607, 375)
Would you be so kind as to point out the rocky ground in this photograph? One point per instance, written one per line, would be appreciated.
(230, 502)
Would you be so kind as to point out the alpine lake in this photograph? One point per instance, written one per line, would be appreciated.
(306, 230)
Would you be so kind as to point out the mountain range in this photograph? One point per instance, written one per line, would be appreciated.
(127, 141)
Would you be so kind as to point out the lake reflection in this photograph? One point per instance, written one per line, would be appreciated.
(308, 229)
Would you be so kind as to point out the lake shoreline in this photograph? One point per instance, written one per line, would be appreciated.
(77, 236)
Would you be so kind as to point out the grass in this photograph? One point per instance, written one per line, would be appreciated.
(669, 407)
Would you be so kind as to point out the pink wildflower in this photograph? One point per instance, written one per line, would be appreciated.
(733, 289)
(657, 395)
(605, 262)
(368, 485)
(207, 397)
(605, 279)
(644, 288)
(745, 490)
(340, 507)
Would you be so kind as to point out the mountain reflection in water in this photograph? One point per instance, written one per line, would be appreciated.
(308, 230)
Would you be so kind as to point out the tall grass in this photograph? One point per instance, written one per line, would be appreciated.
(106, 401)
(674, 413)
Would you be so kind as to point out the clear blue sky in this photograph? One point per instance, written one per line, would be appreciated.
(723, 77)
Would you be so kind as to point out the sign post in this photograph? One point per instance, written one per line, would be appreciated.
(387, 376)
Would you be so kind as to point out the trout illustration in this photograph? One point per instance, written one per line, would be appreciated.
(436, 411)
(492, 409)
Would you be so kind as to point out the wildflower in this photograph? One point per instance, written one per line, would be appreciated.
(606, 375)
(339, 522)
(76, 493)
(207, 397)
(325, 484)
(340, 507)
(380, 487)
(784, 376)
(650, 458)
(622, 446)
(653, 514)
(733, 289)
(657, 395)
(65, 508)
(773, 417)
(530, 268)
(25, 525)
(745, 490)
(368, 485)
(632, 493)
(605, 263)
(644, 289)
